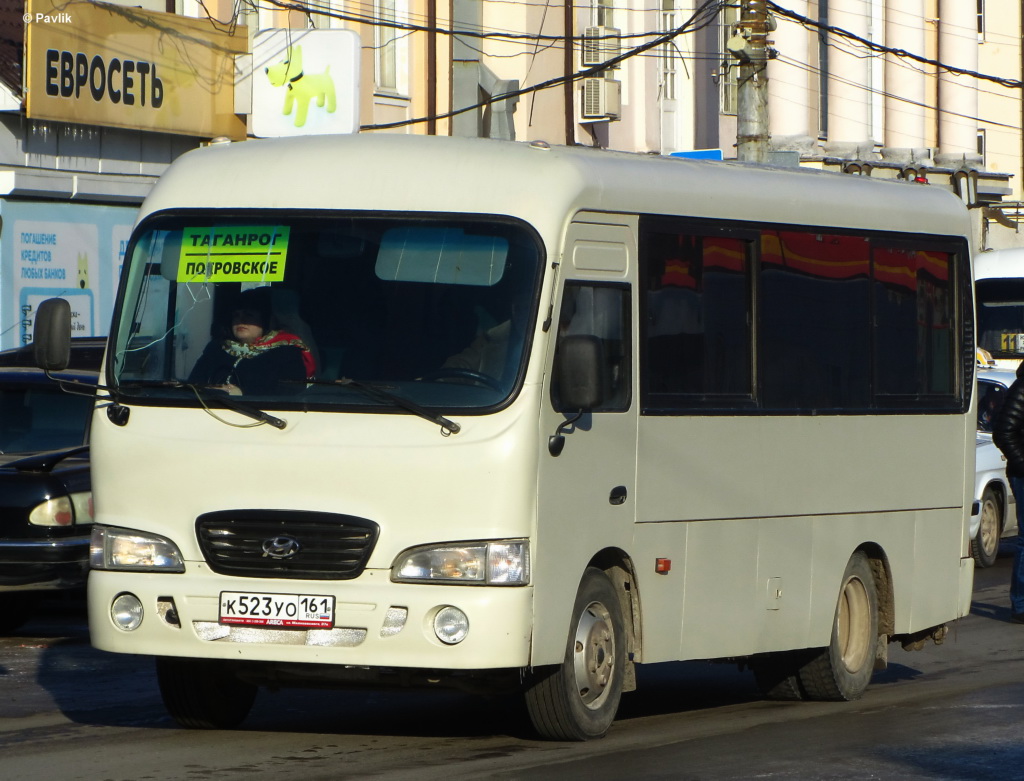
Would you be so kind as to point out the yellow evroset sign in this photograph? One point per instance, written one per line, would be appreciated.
(100, 64)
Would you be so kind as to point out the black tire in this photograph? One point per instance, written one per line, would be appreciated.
(985, 545)
(16, 608)
(843, 670)
(578, 699)
(203, 693)
(777, 675)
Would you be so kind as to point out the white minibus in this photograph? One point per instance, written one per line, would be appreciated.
(451, 412)
(999, 287)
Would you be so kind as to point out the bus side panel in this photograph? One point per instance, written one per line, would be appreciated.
(661, 594)
(577, 518)
(766, 511)
(760, 466)
(741, 587)
(935, 589)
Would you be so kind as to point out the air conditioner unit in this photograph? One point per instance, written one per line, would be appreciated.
(601, 99)
(600, 44)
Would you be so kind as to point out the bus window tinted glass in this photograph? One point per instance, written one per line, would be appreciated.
(696, 315)
(1001, 316)
(914, 307)
(601, 311)
(814, 351)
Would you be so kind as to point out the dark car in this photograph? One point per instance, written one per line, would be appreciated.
(86, 353)
(45, 486)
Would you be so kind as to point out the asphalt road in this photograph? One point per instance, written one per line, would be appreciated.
(948, 712)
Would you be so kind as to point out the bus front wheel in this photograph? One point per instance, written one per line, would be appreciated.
(577, 700)
(203, 693)
(842, 670)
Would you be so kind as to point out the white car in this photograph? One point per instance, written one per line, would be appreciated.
(994, 514)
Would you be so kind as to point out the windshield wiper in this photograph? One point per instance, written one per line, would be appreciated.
(379, 394)
(205, 395)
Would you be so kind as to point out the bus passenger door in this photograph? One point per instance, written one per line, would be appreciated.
(586, 480)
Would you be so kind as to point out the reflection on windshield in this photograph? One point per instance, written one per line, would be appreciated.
(434, 312)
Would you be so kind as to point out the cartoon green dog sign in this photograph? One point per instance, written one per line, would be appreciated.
(301, 87)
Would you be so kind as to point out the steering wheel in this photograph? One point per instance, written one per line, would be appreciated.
(453, 373)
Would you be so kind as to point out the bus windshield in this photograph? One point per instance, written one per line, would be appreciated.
(1001, 316)
(327, 311)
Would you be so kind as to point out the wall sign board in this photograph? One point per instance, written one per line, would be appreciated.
(100, 64)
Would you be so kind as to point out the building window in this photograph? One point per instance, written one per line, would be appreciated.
(669, 53)
(387, 47)
(729, 81)
(601, 13)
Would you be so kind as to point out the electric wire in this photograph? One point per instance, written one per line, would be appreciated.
(709, 8)
(877, 47)
(841, 40)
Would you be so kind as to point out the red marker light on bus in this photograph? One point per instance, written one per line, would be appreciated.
(662, 566)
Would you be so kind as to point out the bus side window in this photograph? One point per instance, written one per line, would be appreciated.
(601, 310)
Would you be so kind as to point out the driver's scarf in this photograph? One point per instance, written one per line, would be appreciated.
(240, 351)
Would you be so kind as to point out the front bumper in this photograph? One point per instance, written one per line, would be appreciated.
(181, 619)
(40, 565)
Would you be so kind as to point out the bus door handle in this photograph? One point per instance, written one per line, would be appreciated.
(618, 495)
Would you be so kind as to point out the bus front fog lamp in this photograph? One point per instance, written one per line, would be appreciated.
(126, 612)
(451, 625)
(123, 549)
(503, 563)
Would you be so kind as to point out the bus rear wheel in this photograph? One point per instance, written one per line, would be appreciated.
(985, 545)
(577, 700)
(203, 693)
(842, 670)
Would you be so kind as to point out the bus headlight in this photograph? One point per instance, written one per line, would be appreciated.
(123, 549)
(505, 563)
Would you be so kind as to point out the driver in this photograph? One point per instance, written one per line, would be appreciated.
(255, 358)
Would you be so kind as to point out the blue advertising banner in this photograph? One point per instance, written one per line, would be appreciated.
(60, 250)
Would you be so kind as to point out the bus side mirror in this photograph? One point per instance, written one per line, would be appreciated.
(578, 371)
(51, 335)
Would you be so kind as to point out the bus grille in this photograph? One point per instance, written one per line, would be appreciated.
(285, 544)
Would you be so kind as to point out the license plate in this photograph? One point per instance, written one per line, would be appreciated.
(308, 611)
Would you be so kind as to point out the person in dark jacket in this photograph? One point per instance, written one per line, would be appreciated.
(1008, 436)
(256, 359)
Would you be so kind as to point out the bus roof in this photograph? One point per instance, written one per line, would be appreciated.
(538, 183)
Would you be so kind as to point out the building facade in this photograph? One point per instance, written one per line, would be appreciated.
(914, 89)
(920, 90)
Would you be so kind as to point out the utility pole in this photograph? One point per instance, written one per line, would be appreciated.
(749, 45)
